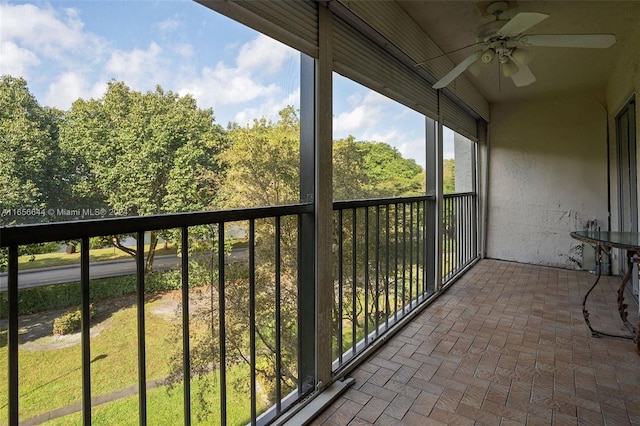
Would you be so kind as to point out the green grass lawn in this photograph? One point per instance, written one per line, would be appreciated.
(97, 255)
(51, 379)
(165, 407)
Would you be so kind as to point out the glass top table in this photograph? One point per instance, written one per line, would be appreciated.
(603, 241)
(622, 240)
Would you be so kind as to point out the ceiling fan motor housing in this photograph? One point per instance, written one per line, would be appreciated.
(489, 31)
(497, 8)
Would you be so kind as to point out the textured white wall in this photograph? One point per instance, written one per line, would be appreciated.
(547, 177)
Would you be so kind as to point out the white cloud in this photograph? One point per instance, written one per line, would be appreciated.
(413, 148)
(354, 99)
(15, 60)
(447, 144)
(376, 98)
(357, 120)
(184, 50)
(63, 60)
(168, 25)
(368, 112)
(137, 67)
(390, 135)
(370, 116)
(225, 85)
(47, 32)
(263, 54)
(269, 109)
(70, 86)
(51, 49)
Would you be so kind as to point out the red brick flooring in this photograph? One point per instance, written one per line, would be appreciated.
(507, 344)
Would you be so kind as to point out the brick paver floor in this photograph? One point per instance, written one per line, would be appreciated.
(506, 344)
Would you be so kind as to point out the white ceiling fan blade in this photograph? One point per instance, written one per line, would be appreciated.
(521, 23)
(523, 77)
(456, 71)
(597, 41)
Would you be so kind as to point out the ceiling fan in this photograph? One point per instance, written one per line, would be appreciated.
(504, 41)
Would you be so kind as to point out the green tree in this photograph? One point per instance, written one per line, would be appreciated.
(143, 153)
(369, 170)
(262, 169)
(449, 176)
(390, 173)
(32, 167)
(350, 178)
(373, 170)
(263, 162)
(33, 170)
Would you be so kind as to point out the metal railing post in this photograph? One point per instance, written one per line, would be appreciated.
(85, 329)
(13, 334)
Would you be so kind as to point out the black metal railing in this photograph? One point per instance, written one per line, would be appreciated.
(256, 305)
(253, 287)
(381, 261)
(459, 239)
(380, 265)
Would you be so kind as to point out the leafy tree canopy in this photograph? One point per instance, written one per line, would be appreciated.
(31, 165)
(264, 166)
(263, 162)
(449, 176)
(143, 153)
(372, 170)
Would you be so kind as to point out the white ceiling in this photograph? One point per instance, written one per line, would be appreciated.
(453, 24)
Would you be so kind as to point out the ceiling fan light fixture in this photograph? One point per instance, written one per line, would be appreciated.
(509, 68)
(476, 68)
(522, 56)
(506, 41)
(487, 55)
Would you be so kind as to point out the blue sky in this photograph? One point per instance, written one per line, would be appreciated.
(70, 49)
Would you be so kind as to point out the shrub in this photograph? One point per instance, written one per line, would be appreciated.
(59, 296)
(41, 248)
(99, 242)
(163, 280)
(70, 321)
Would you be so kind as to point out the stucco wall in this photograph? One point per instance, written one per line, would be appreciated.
(547, 177)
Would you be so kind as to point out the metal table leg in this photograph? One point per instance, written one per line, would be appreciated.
(585, 312)
(622, 307)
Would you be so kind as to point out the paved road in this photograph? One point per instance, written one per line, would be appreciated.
(111, 268)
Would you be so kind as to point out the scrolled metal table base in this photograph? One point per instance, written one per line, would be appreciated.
(622, 307)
